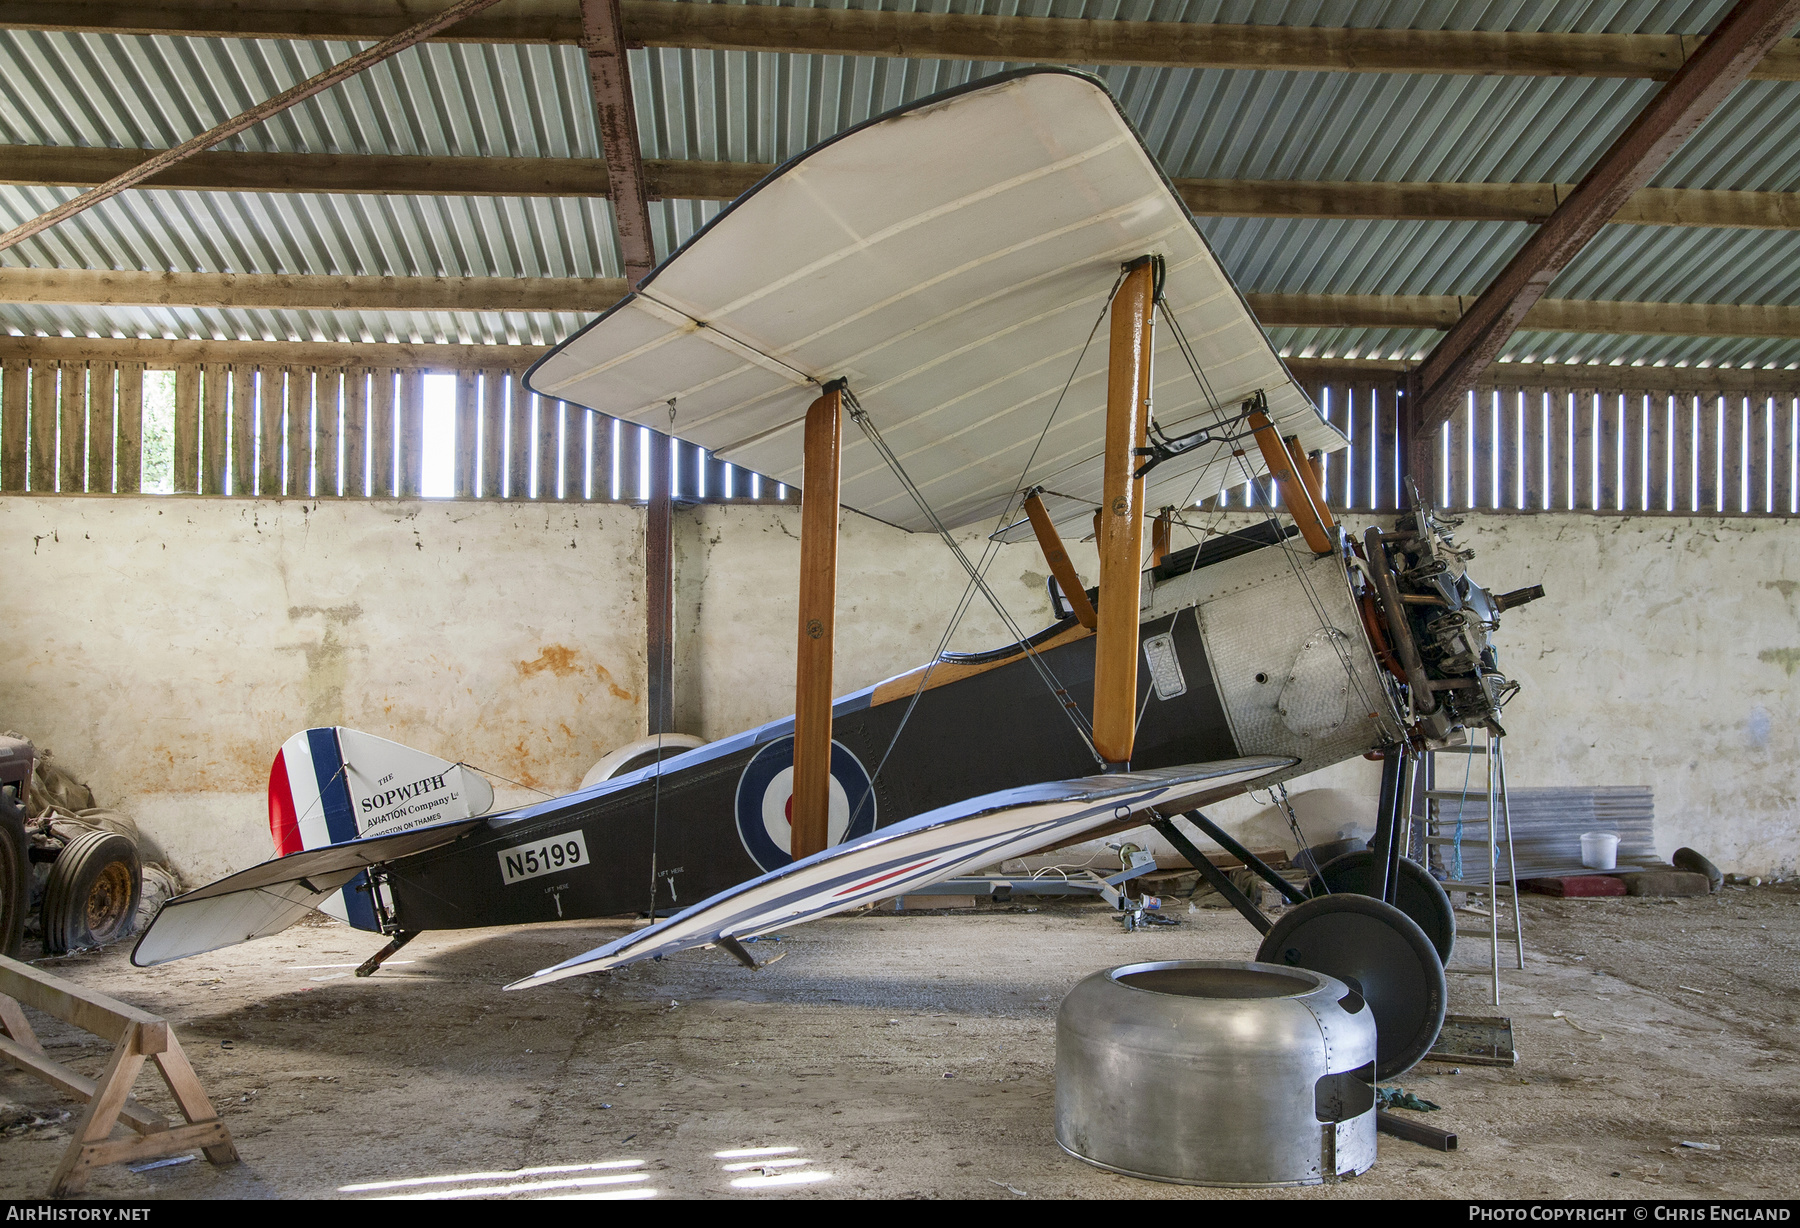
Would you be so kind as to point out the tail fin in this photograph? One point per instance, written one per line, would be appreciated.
(332, 785)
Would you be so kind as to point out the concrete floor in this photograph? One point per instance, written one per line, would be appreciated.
(911, 1056)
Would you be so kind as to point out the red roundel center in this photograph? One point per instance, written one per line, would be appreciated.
(788, 810)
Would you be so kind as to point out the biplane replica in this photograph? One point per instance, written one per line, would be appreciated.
(897, 322)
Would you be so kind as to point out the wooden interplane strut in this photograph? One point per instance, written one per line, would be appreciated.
(810, 813)
(1121, 518)
(1050, 542)
(1722, 62)
(603, 39)
(316, 84)
(1296, 492)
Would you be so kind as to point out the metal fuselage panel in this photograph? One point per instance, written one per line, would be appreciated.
(995, 729)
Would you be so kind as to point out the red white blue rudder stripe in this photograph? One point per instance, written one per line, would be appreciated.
(331, 785)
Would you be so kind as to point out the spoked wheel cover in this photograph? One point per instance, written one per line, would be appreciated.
(1418, 895)
(1384, 952)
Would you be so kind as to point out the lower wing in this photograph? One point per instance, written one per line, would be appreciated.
(922, 850)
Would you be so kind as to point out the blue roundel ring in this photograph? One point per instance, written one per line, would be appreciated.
(759, 775)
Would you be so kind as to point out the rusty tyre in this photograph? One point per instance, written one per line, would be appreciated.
(92, 896)
(15, 875)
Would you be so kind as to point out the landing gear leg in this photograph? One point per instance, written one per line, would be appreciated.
(400, 939)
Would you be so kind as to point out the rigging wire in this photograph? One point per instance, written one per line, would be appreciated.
(990, 553)
(861, 417)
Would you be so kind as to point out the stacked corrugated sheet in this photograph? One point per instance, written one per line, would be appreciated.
(1548, 825)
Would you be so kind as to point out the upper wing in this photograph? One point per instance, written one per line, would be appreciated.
(925, 849)
(267, 898)
(950, 259)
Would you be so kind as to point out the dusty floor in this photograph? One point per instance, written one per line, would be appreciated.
(912, 1056)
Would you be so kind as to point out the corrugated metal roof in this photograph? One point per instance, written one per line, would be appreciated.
(531, 101)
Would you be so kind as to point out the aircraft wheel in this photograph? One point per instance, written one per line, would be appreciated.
(15, 875)
(1380, 952)
(92, 896)
(1418, 895)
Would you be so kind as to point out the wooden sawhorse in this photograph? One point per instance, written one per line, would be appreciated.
(137, 1036)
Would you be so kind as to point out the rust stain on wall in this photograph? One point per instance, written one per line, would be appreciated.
(559, 659)
(618, 692)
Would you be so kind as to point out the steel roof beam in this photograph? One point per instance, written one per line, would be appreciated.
(426, 175)
(318, 83)
(591, 295)
(932, 36)
(1722, 62)
(610, 77)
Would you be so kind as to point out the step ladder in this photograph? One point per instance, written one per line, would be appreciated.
(1464, 826)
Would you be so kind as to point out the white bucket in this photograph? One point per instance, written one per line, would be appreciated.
(1600, 850)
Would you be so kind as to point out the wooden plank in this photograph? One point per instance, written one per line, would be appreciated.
(382, 408)
(1386, 434)
(1731, 494)
(1656, 482)
(192, 1099)
(15, 414)
(549, 447)
(88, 1009)
(128, 429)
(355, 433)
(424, 175)
(1505, 405)
(1759, 439)
(243, 431)
(466, 435)
(1709, 464)
(215, 391)
(297, 429)
(496, 386)
(1684, 442)
(937, 36)
(409, 430)
(271, 429)
(71, 432)
(1787, 454)
(328, 410)
(630, 445)
(71, 1083)
(186, 468)
(103, 379)
(1607, 442)
(1631, 450)
(519, 448)
(14, 1024)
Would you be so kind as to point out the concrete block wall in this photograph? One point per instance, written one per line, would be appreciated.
(164, 648)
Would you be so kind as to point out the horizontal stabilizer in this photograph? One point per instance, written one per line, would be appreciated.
(922, 850)
(268, 898)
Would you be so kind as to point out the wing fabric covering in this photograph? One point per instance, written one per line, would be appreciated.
(267, 898)
(949, 259)
(925, 849)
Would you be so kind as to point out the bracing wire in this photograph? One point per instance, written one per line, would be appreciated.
(976, 577)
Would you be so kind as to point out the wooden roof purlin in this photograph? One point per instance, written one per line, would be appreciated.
(950, 260)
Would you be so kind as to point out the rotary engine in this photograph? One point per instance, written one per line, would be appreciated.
(1432, 625)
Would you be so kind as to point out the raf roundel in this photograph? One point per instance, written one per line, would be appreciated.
(765, 799)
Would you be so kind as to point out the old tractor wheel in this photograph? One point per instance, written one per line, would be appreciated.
(15, 875)
(92, 896)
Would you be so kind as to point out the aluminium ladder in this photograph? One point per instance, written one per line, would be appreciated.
(1466, 827)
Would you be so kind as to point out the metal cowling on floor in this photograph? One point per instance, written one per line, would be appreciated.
(1222, 1073)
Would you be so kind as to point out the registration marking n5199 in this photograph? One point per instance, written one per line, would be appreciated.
(523, 861)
